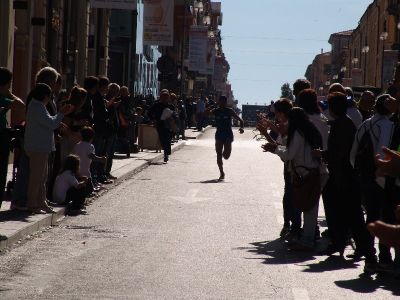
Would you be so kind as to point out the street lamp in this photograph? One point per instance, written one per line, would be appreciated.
(365, 51)
(354, 61)
(384, 36)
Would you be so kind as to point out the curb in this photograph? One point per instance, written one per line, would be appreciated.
(54, 219)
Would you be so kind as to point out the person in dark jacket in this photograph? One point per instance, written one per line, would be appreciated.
(102, 128)
(162, 112)
(343, 194)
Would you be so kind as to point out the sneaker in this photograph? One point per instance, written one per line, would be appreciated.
(285, 231)
(166, 159)
(48, 210)
(107, 181)
(109, 176)
(294, 234)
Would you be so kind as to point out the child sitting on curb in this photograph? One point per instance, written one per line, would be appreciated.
(86, 153)
(69, 188)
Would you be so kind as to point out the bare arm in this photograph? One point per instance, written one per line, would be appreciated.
(240, 120)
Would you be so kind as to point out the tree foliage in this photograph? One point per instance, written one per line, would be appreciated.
(286, 91)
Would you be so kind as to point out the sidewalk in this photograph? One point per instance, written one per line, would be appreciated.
(14, 226)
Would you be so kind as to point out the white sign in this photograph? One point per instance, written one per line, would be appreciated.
(114, 4)
(158, 23)
(198, 48)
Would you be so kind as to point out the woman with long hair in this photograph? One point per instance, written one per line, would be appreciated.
(303, 138)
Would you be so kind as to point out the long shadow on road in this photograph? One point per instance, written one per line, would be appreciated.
(275, 252)
(369, 284)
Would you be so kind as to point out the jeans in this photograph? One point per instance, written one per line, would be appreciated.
(374, 197)
(110, 150)
(97, 168)
(165, 137)
(310, 224)
(75, 198)
(291, 214)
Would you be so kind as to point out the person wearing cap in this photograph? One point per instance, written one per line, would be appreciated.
(162, 112)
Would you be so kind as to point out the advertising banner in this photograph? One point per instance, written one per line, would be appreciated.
(198, 48)
(158, 22)
(114, 4)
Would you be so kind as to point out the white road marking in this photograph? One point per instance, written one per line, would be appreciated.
(191, 197)
(300, 294)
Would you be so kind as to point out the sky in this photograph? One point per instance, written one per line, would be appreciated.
(270, 42)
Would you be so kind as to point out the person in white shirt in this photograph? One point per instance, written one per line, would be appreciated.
(291, 215)
(303, 137)
(352, 110)
(380, 129)
(86, 153)
(69, 187)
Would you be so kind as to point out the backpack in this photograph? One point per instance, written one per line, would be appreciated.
(365, 156)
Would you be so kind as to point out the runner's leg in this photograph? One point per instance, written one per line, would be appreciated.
(219, 146)
(227, 150)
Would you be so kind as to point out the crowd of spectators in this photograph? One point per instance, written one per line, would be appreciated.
(346, 150)
(64, 141)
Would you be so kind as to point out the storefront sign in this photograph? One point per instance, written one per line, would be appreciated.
(114, 4)
(198, 48)
(158, 23)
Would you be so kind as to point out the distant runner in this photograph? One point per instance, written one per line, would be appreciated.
(224, 135)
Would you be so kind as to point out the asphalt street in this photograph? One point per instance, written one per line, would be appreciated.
(174, 232)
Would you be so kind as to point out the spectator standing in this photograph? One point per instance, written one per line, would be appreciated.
(102, 128)
(345, 199)
(5, 132)
(71, 134)
(125, 114)
(366, 105)
(182, 117)
(374, 134)
(352, 110)
(39, 143)
(200, 110)
(162, 112)
(303, 137)
(113, 102)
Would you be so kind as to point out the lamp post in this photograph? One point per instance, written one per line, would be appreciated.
(384, 36)
(354, 61)
(365, 51)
